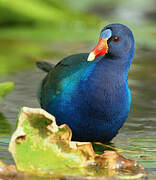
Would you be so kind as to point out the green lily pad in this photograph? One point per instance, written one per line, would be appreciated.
(6, 88)
(40, 147)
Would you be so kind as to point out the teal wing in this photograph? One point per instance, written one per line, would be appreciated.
(62, 77)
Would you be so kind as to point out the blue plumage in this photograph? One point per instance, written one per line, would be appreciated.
(92, 97)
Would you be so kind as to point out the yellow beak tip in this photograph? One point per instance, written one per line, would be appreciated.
(91, 57)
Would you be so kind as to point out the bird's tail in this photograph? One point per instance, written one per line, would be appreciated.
(45, 66)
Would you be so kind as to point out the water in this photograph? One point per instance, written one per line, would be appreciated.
(141, 122)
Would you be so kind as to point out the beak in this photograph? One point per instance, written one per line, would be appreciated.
(100, 49)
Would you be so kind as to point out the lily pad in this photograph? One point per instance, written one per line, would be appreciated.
(40, 147)
(5, 89)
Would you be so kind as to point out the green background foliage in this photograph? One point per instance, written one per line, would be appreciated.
(30, 30)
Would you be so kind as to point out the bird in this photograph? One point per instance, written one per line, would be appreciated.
(89, 91)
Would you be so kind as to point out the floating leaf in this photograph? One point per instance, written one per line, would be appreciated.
(5, 88)
(40, 147)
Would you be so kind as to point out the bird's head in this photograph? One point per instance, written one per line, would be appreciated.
(116, 40)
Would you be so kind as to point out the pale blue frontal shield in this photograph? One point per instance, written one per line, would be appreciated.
(106, 34)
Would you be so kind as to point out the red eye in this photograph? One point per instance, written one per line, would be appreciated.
(116, 39)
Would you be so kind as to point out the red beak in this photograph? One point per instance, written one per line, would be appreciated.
(100, 49)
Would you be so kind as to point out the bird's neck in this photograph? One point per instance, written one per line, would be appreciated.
(113, 69)
(120, 61)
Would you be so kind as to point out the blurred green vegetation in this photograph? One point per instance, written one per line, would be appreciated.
(5, 126)
(5, 89)
(26, 25)
(35, 29)
(40, 12)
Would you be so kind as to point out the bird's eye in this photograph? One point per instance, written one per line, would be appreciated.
(116, 39)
